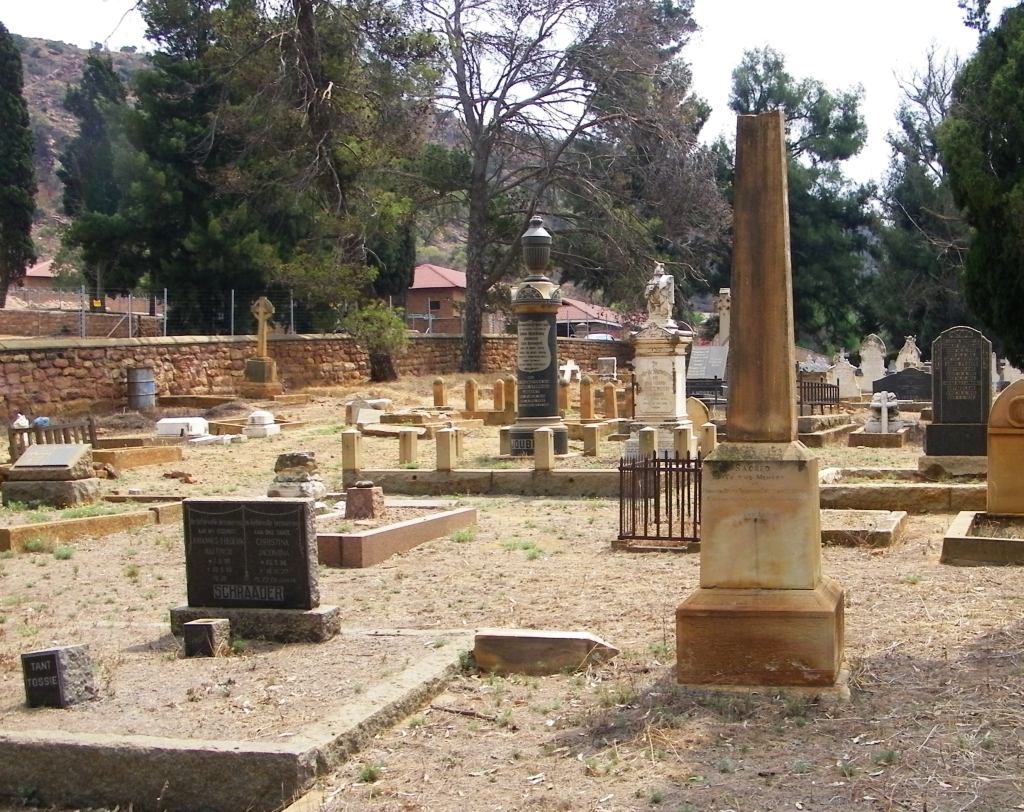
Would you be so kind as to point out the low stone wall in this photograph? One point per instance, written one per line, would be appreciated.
(49, 376)
(61, 323)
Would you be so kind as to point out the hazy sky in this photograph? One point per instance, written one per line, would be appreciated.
(843, 44)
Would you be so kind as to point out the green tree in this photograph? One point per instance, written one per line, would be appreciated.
(923, 235)
(549, 99)
(17, 181)
(830, 218)
(981, 143)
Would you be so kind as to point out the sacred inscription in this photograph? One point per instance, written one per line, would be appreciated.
(43, 687)
(537, 366)
(655, 391)
(961, 365)
(251, 554)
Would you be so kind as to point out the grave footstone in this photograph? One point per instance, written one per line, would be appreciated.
(207, 637)
(255, 563)
(961, 394)
(57, 677)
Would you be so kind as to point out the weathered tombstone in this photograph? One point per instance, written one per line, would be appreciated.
(1005, 452)
(587, 398)
(961, 394)
(351, 454)
(535, 302)
(909, 356)
(606, 368)
(698, 412)
(538, 652)
(611, 402)
(543, 449)
(708, 363)
(659, 360)
(261, 423)
(563, 396)
(446, 453)
(499, 396)
(764, 614)
(872, 362)
(569, 371)
(723, 306)
(182, 427)
(885, 410)
(910, 384)
(296, 475)
(844, 375)
(59, 475)
(353, 407)
(255, 563)
(57, 677)
(261, 371)
(408, 442)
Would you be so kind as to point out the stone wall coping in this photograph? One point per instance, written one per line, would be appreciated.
(16, 344)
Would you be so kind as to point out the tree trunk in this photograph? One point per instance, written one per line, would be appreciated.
(382, 367)
(476, 270)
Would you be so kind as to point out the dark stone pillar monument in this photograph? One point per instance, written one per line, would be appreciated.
(535, 303)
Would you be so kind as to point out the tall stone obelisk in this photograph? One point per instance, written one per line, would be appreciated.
(764, 614)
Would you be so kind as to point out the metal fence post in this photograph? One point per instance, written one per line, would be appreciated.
(232, 311)
(165, 312)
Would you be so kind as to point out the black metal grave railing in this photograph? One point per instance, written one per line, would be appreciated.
(659, 503)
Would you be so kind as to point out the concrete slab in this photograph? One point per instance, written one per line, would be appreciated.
(369, 547)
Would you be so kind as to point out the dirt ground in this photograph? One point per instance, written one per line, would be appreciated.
(936, 655)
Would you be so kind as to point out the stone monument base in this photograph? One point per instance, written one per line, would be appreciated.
(55, 493)
(279, 625)
(521, 436)
(779, 637)
(260, 379)
(956, 440)
(940, 468)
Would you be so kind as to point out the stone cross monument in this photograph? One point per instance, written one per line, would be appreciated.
(764, 614)
(261, 372)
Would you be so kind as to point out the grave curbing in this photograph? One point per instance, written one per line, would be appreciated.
(182, 775)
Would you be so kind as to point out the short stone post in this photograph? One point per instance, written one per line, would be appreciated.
(472, 395)
(591, 439)
(586, 398)
(543, 449)
(440, 394)
(511, 394)
(884, 414)
(351, 452)
(648, 441)
(708, 438)
(445, 449)
(408, 446)
(683, 440)
(611, 403)
(563, 396)
(499, 395)
(505, 441)
(459, 434)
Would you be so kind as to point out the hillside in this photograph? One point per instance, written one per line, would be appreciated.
(49, 67)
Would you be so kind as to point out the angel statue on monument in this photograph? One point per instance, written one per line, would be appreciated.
(660, 294)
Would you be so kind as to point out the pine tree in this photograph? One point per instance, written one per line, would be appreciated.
(17, 181)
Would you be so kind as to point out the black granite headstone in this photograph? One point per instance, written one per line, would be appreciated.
(251, 553)
(961, 394)
(962, 376)
(536, 382)
(907, 384)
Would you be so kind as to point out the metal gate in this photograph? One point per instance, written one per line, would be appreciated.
(659, 503)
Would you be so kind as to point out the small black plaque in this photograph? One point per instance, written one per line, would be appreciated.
(43, 683)
(907, 384)
(251, 554)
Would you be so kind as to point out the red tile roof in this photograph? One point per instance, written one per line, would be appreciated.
(434, 276)
(575, 310)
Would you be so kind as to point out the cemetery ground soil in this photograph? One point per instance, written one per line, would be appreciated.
(936, 656)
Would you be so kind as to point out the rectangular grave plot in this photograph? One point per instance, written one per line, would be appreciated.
(251, 554)
(42, 674)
